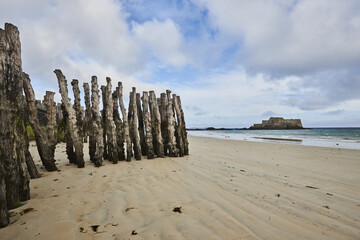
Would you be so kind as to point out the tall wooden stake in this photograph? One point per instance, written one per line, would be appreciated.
(173, 152)
(103, 121)
(179, 126)
(96, 139)
(74, 132)
(109, 123)
(126, 123)
(134, 125)
(119, 126)
(12, 127)
(147, 123)
(156, 125)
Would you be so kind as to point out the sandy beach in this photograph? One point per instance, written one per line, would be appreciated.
(225, 189)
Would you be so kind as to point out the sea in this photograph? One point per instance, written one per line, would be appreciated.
(322, 137)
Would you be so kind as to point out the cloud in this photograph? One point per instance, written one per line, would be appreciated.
(269, 114)
(334, 112)
(163, 39)
(290, 37)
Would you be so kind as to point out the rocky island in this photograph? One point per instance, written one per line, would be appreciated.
(278, 123)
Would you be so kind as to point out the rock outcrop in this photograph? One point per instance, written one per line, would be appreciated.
(278, 123)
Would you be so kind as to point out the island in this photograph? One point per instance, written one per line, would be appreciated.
(278, 123)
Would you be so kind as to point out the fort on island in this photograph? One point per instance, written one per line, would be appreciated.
(278, 123)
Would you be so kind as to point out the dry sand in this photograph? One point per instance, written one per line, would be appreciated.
(226, 190)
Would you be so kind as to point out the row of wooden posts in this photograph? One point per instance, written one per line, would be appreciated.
(152, 127)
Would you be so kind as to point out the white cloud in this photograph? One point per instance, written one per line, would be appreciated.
(163, 39)
(291, 36)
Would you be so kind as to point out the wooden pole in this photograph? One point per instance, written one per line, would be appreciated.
(126, 123)
(96, 138)
(67, 137)
(184, 133)
(109, 123)
(134, 124)
(173, 151)
(4, 216)
(50, 106)
(141, 124)
(103, 121)
(12, 127)
(164, 121)
(44, 145)
(77, 108)
(74, 132)
(87, 117)
(179, 126)
(156, 125)
(147, 122)
(119, 126)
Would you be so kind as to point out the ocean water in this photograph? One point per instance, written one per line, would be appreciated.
(322, 137)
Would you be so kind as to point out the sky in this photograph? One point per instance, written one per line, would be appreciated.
(232, 62)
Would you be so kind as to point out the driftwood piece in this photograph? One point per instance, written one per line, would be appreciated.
(173, 151)
(103, 121)
(12, 128)
(179, 126)
(77, 107)
(109, 123)
(126, 123)
(96, 143)
(50, 106)
(134, 125)
(141, 124)
(147, 122)
(74, 132)
(119, 126)
(184, 133)
(156, 125)
(164, 121)
(87, 117)
(43, 143)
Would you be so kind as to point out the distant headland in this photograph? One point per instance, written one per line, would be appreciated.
(274, 123)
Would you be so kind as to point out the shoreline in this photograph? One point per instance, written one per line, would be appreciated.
(283, 139)
(225, 189)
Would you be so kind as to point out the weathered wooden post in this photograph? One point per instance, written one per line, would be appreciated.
(34, 173)
(44, 145)
(126, 123)
(156, 125)
(141, 124)
(96, 144)
(179, 126)
(12, 128)
(77, 107)
(4, 216)
(184, 133)
(50, 106)
(87, 118)
(134, 125)
(119, 126)
(147, 123)
(74, 132)
(67, 136)
(109, 123)
(173, 151)
(164, 121)
(103, 121)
